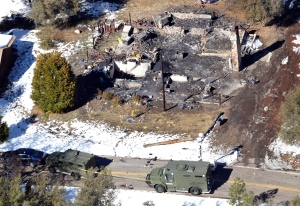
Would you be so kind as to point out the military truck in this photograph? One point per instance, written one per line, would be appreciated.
(194, 177)
(72, 162)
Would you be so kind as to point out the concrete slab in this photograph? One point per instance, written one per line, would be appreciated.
(191, 16)
(138, 70)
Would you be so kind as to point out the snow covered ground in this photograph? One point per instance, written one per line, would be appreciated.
(93, 137)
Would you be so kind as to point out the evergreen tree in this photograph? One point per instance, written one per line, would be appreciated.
(15, 194)
(96, 191)
(295, 201)
(54, 83)
(262, 10)
(39, 192)
(289, 115)
(43, 11)
(238, 194)
(4, 131)
(4, 191)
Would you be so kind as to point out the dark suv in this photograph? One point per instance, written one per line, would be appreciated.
(32, 157)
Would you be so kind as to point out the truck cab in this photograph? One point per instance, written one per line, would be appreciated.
(194, 177)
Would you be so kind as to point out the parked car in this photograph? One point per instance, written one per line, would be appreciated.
(32, 157)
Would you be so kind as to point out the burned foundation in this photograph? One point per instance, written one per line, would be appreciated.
(197, 53)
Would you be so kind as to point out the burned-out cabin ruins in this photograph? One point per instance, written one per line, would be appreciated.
(196, 54)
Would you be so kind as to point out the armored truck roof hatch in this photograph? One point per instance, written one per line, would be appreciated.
(194, 177)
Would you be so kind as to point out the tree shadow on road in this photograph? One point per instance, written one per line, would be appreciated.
(265, 196)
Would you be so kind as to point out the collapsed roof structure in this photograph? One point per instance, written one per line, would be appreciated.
(195, 54)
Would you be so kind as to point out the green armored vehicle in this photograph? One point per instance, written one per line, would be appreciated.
(72, 162)
(194, 177)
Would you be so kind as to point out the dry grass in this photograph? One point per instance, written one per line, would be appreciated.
(139, 9)
(175, 121)
(65, 35)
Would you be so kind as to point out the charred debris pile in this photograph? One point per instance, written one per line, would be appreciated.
(188, 55)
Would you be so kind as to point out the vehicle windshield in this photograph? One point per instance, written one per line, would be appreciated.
(162, 171)
(37, 154)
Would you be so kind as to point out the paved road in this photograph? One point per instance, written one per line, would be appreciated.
(279, 185)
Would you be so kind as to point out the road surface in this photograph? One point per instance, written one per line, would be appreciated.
(277, 186)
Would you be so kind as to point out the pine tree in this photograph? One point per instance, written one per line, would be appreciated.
(262, 10)
(54, 83)
(239, 195)
(4, 131)
(39, 192)
(4, 191)
(295, 201)
(15, 194)
(236, 191)
(289, 115)
(43, 11)
(96, 191)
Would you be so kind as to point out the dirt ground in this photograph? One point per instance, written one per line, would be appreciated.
(251, 114)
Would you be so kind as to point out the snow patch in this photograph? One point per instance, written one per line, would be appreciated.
(278, 147)
(297, 40)
(285, 61)
(129, 197)
(13, 6)
(296, 49)
(135, 197)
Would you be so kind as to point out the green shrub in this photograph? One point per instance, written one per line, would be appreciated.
(137, 99)
(47, 43)
(262, 10)
(116, 101)
(45, 11)
(107, 96)
(99, 91)
(238, 194)
(37, 192)
(45, 116)
(4, 131)
(53, 84)
(289, 115)
(295, 201)
(99, 190)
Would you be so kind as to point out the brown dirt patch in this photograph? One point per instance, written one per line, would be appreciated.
(253, 117)
(175, 121)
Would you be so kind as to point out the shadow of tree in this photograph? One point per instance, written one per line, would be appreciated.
(20, 128)
(265, 196)
(89, 85)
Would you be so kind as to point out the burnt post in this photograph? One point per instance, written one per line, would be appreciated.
(94, 42)
(129, 19)
(87, 55)
(238, 45)
(163, 82)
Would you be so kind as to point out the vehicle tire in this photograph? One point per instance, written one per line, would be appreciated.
(75, 176)
(52, 169)
(195, 191)
(160, 188)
